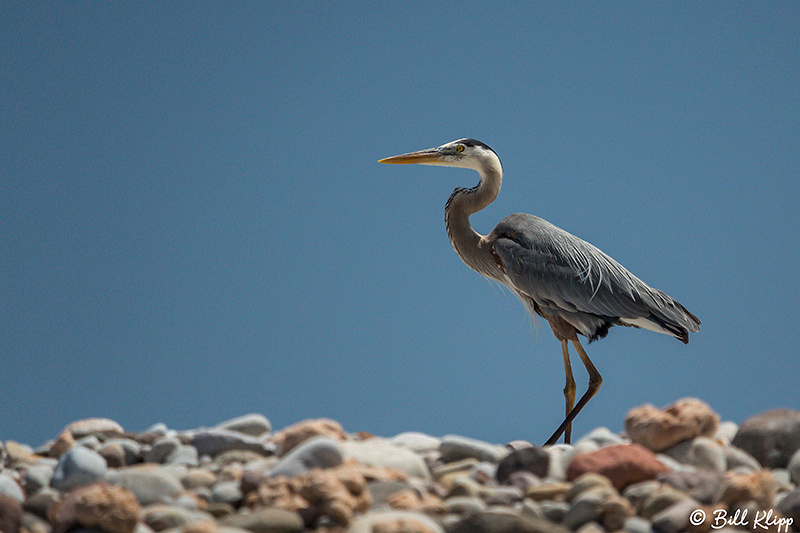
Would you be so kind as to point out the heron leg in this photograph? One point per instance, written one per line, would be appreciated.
(569, 389)
(595, 380)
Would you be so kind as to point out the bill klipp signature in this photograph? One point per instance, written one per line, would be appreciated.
(761, 520)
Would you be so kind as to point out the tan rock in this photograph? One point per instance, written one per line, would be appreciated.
(289, 437)
(19, 453)
(201, 527)
(101, 506)
(548, 491)
(409, 500)
(338, 493)
(615, 511)
(658, 429)
(62, 444)
(401, 525)
(759, 486)
(88, 426)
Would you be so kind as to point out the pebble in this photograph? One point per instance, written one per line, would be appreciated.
(601, 437)
(701, 452)
(10, 488)
(161, 448)
(317, 452)
(771, 437)
(533, 459)
(271, 520)
(494, 521)
(253, 424)
(465, 504)
(384, 454)
(127, 451)
(216, 440)
(38, 476)
(160, 517)
(454, 448)
(411, 522)
(90, 426)
(10, 514)
(675, 518)
(419, 443)
(585, 508)
(76, 467)
(560, 456)
(227, 479)
(705, 486)
(150, 485)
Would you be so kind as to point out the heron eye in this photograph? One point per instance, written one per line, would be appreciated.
(460, 148)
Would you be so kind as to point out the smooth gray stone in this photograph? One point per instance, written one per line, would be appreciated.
(317, 452)
(586, 507)
(382, 453)
(554, 511)
(464, 505)
(736, 458)
(789, 507)
(417, 442)
(794, 468)
(9, 487)
(675, 518)
(38, 476)
(455, 447)
(533, 459)
(368, 522)
(215, 441)
(39, 502)
(266, 521)
(161, 448)
(771, 437)
(637, 524)
(160, 517)
(705, 486)
(183, 455)
(149, 485)
(131, 448)
(603, 437)
(253, 424)
(496, 521)
(227, 492)
(78, 466)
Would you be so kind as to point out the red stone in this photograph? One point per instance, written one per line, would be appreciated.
(622, 464)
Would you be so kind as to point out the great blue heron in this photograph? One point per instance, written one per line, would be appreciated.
(572, 284)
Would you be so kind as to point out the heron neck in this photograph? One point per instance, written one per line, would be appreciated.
(463, 203)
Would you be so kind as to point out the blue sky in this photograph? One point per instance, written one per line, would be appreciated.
(194, 225)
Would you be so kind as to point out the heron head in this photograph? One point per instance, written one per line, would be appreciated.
(463, 153)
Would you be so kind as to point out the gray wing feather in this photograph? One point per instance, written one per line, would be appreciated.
(568, 277)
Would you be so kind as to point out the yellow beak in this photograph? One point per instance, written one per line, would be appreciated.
(430, 155)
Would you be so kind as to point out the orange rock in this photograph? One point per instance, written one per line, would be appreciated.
(622, 464)
(759, 486)
(408, 500)
(658, 429)
(63, 443)
(110, 508)
(338, 493)
(289, 437)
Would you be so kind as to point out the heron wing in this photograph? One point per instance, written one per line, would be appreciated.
(570, 278)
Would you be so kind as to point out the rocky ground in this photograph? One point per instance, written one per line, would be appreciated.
(675, 469)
